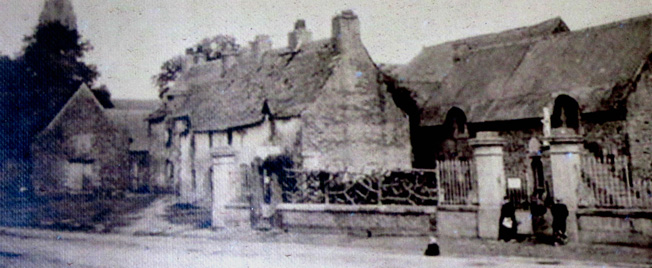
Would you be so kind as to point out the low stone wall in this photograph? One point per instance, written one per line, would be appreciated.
(632, 227)
(457, 221)
(237, 215)
(358, 219)
(462, 221)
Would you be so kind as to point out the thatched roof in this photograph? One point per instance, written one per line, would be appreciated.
(517, 78)
(421, 68)
(284, 80)
(131, 116)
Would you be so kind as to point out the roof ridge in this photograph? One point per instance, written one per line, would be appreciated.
(463, 40)
(83, 89)
(614, 23)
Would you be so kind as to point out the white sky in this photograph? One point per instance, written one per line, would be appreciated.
(132, 38)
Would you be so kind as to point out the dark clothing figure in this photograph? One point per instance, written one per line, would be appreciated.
(559, 215)
(539, 224)
(537, 171)
(507, 222)
(433, 248)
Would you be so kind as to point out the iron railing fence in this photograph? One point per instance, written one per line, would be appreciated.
(607, 183)
(451, 183)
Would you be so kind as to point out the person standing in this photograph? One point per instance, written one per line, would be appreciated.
(507, 222)
(559, 215)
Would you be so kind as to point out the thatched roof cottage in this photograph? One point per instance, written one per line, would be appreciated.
(525, 81)
(323, 101)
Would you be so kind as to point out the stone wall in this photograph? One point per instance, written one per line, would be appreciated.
(614, 227)
(609, 135)
(639, 127)
(516, 157)
(357, 219)
(159, 154)
(606, 131)
(457, 222)
(81, 132)
(355, 123)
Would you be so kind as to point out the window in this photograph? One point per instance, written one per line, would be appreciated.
(82, 143)
(455, 123)
(566, 113)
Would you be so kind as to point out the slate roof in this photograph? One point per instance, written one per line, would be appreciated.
(515, 79)
(287, 81)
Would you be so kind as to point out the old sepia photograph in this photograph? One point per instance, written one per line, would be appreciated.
(298, 133)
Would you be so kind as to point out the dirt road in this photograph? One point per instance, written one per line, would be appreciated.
(37, 248)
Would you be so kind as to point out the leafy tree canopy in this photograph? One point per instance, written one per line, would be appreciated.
(54, 70)
(212, 48)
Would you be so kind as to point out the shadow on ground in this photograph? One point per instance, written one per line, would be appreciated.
(88, 213)
(181, 213)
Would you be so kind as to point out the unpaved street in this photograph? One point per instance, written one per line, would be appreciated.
(32, 248)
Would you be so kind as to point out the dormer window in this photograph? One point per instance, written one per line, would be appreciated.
(566, 113)
(455, 123)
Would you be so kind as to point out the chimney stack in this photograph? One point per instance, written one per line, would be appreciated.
(228, 59)
(346, 30)
(260, 45)
(300, 35)
(188, 59)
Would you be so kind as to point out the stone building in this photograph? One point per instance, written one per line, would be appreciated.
(81, 150)
(525, 83)
(559, 110)
(130, 116)
(322, 102)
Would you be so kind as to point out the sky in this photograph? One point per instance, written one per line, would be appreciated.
(132, 38)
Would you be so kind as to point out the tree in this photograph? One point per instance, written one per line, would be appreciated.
(54, 70)
(212, 48)
(103, 95)
(36, 85)
(170, 71)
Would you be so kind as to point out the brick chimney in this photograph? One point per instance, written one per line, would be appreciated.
(299, 36)
(260, 45)
(228, 59)
(188, 59)
(346, 31)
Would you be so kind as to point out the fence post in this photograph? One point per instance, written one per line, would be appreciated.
(628, 180)
(380, 188)
(565, 150)
(438, 178)
(327, 190)
(489, 164)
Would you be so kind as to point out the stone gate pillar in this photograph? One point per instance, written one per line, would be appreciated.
(225, 185)
(565, 149)
(490, 170)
